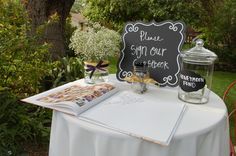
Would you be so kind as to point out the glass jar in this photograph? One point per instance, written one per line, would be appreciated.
(197, 66)
(140, 72)
(96, 72)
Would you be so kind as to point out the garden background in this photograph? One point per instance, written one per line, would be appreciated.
(35, 56)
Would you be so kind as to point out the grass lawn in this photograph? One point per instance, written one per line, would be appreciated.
(221, 80)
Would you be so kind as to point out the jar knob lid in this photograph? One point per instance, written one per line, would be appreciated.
(199, 42)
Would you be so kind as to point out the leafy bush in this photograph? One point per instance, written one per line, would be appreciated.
(115, 13)
(216, 19)
(23, 64)
(18, 124)
(68, 69)
(23, 61)
(78, 6)
(220, 33)
(24, 69)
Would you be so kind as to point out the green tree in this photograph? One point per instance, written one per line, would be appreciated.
(22, 59)
(23, 64)
(215, 19)
(115, 13)
(55, 13)
(220, 33)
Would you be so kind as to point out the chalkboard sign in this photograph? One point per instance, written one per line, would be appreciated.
(191, 81)
(156, 45)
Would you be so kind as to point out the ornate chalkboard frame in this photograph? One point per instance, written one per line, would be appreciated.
(172, 35)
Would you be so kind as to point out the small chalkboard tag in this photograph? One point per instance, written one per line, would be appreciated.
(191, 81)
(157, 45)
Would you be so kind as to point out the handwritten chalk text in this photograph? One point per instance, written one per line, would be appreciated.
(144, 36)
(140, 51)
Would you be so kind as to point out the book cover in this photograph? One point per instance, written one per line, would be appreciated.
(73, 98)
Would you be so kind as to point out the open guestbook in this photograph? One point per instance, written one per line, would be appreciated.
(73, 98)
(153, 116)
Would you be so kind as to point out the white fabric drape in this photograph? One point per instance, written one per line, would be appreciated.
(203, 131)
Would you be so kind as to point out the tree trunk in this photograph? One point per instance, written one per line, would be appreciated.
(40, 12)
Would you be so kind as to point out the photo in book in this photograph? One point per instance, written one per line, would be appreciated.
(73, 98)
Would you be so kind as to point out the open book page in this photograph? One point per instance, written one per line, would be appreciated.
(145, 116)
(73, 98)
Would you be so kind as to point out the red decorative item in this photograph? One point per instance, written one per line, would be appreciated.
(225, 96)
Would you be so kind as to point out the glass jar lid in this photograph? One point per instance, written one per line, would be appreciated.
(199, 54)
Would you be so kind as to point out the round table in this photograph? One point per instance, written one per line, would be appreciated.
(203, 131)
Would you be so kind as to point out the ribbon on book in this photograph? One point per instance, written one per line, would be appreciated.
(99, 66)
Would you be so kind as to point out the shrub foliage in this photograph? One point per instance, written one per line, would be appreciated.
(23, 64)
(22, 59)
(215, 19)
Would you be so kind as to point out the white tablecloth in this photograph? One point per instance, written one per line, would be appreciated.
(203, 131)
